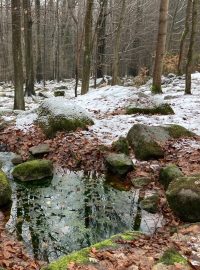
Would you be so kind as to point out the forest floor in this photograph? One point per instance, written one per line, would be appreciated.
(107, 106)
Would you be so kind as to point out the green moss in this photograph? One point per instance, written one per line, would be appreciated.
(176, 131)
(156, 89)
(140, 182)
(168, 174)
(171, 256)
(121, 146)
(150, 204)
(146, 150)
(183, 195)
(33, 170)
(162, 109)
(82, 256)
(5, 189)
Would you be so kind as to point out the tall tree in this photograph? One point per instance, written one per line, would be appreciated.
(184, 35)
(115, 65)
(17, 55)
(87, 47)
(38, 43)
(29, 87)
(160, 47)
(191, 47)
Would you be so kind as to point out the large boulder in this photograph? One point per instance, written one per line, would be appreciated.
(33, 170)
(147, 141)
(5, 189)
(119, 164)
(162, 109)
(168, 174)
(183, 195)
(57, 114)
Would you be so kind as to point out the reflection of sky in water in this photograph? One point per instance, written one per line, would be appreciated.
(70, 212)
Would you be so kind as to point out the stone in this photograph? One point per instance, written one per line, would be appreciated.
(119, 164)
(57, 114)
(140, 182)
(162, 109)
(183, 196)
(59, 93)
(147, 141)
(5, 189)
(168, 174)
(121, 146)
(40, 149)
(17, 159)
(33, 170)
(150, 204)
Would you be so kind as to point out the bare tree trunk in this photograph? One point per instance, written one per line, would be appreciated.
(44, 45)
(87, 47)
(115, 66)
(184, 36)
(101, 44)
(29, 88)
(17, 56)
(191, 48)
(160, 48)
(38, 41)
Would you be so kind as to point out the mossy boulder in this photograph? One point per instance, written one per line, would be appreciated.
(183, 195)
(5, 189)
(119, 164)
(147, 141)
(162, 109)
(83, 256)
(57, 114)
(150, 204)
(59, 93)
(33, 170)
(168, 174)
(121, 146)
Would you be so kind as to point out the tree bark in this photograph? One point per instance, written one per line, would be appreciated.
(17, 56)
(38, 42)
(191, 48)
(29, 87)
(160, 47)
(184, 36)
(115, 66)
(87, 47)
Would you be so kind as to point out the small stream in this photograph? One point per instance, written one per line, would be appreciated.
(72, 211)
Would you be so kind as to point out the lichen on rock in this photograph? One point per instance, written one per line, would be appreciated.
(5, 189)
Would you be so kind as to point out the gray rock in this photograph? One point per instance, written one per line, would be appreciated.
(150, 204)
(140, 182)
(183, 195)
(119, 164)
(17, 159)
(162, 109)
(57, 114)
(40, 149)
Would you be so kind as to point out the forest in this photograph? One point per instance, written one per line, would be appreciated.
(99, 134)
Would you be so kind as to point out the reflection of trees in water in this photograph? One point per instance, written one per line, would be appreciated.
(101, 215)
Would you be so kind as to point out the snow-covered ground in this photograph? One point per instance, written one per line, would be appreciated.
(102, 104)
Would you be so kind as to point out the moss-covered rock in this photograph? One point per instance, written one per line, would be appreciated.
(183, 195)
(162, 109)
(168, 174)
(82, 256)
(5, 189)
(33, 170)
(147, 141)
(150, 204)
(57, 114)
(121, 146)
(59, 93)
(119, 164)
